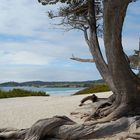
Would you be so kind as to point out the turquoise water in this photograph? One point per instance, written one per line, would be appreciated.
(51, 91)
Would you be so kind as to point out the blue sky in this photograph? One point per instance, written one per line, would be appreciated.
(31, 49)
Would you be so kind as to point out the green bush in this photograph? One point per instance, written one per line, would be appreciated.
(20, 93)
(93, 89)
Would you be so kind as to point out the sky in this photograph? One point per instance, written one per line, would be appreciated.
(31, 49)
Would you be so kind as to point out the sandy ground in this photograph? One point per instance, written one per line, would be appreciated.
(23, 112)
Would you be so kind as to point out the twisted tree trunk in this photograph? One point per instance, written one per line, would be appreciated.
(128, 94)
(117, 72)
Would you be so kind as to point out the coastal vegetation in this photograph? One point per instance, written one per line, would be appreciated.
(93, 89)
(135, 60)
(53, 84)
(20, 93)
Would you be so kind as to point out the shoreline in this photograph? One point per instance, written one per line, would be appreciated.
(22, 112)
(48, 90)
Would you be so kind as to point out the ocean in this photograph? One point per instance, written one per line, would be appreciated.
(51, 91)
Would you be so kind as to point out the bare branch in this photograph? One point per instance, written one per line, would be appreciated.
(81, 59)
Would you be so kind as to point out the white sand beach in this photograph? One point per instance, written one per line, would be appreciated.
(22, 112)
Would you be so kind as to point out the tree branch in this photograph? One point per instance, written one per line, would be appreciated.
(86, 36)
(82, 60)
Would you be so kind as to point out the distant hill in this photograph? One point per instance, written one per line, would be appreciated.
(53, 84)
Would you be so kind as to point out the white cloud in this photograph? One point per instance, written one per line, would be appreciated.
(23, 58)
(21, 17)
(42, 50)
(130, 44)
(26, 73)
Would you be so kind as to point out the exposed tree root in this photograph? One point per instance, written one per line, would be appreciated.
(97, 113)
(98, 103)
(41, 129)
(112, 98)
(134, 136)
(116, 102)
(63, 128)
(108, 111)
(122, 110)
(92, 98)
(134, 131)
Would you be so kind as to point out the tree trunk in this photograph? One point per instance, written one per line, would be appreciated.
(125, 81)
(118, 74)
(94, 48)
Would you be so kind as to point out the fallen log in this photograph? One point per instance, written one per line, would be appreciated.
(63, 128)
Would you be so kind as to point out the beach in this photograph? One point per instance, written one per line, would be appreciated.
(22, 112)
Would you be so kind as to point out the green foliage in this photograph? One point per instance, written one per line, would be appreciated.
(134, 60)
(49, 2)
(20, 93)
(93, 89)
(73, 14)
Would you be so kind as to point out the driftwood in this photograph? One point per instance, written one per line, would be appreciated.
(92, 98)
(88, 110)
(63, 128)
(99, 103)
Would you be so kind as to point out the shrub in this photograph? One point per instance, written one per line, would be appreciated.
(93, 89)
(20, 93)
